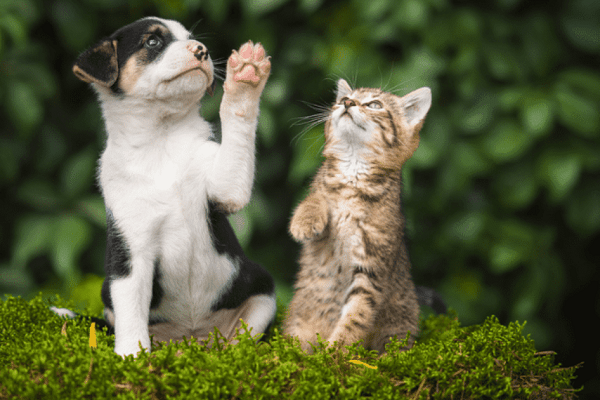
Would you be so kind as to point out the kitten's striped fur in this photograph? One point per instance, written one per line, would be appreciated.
(354, 281)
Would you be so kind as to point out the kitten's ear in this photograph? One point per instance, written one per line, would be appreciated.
(98, 64)
(416, 105)
(343, 89)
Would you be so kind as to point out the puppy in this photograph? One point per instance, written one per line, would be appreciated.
(174, 267)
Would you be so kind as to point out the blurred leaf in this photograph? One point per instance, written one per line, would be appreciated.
(468, 158)
(266, 127)
(580, 23)
(515, 186)
(15, 280)
(583, 81)
(15, 27)
(504, 257)
(103, 4)
(503, 62)
(275, 92)
(10, 154)
(39, 194)
(23, 107)
(583, 209)
(217, 10)
(78, 173)
(466, 227)
(576, 111)
(512, 245)
(256, 8)
(508, 4)
(476, 118)
(559, 170)
(71, 236)
(93, 208)
(506, 141)
(410, 14)
(310, 6)
(537, 115)
(40, 79)
(420, 68)
(307, 155)
(33, 236)
(434, 140)
(51, 150)
(468, 284)
(76, 27)
(426, 154)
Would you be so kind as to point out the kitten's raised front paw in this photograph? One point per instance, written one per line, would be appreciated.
(250, 66)
(307, 224)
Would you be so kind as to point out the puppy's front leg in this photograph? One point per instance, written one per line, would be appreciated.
(230, 183)
(131, 296)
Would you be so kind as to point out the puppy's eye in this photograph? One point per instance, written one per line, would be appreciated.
(153, 42)
(375, 105)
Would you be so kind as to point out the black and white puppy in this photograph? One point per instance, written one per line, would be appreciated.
(174, 267)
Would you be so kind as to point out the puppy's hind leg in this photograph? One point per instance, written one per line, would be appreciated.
(259, 312)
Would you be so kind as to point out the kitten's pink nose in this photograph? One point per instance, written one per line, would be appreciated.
(349, 103)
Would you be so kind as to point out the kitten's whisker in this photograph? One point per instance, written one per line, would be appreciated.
(314, 120)
(400, 87)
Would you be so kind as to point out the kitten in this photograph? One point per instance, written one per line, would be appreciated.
(354, 281)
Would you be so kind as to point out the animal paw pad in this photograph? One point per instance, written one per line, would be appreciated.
(250, 64)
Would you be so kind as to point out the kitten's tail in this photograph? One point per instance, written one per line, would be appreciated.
(429, 297)
(100, 323)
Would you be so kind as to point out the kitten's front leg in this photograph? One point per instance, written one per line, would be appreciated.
(310, 218)
(361, 304)
(231, 178)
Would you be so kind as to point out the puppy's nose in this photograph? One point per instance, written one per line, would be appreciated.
(200, 51)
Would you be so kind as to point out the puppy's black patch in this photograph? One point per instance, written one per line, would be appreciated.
(250, 279)
(117, 263)
(98, 64)
(105, 63)
(134, 37)
(118, 256)
(157, 290)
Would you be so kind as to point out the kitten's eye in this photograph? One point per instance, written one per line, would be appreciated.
(375, 105)
(342, 100)
(153, 42)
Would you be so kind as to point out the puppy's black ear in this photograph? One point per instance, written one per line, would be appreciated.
(98, 64)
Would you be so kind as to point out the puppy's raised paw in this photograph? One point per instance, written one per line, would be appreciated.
(248, 68)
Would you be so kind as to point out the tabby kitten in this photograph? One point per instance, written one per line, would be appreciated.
(354, 281)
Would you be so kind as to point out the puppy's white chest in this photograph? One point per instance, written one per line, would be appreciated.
(165, 172)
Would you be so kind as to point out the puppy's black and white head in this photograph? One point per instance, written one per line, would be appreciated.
(151, 58)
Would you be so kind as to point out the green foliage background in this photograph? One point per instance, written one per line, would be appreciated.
(502, 196)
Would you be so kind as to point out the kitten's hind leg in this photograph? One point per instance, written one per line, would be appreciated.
(304, 334)
(361, 302)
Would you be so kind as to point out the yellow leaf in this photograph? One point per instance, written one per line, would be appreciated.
(93, 335)
(362, 363)
(63, 330)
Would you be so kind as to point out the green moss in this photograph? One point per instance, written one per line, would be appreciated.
(45, 357)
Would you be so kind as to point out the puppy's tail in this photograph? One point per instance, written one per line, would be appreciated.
(66, 313)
